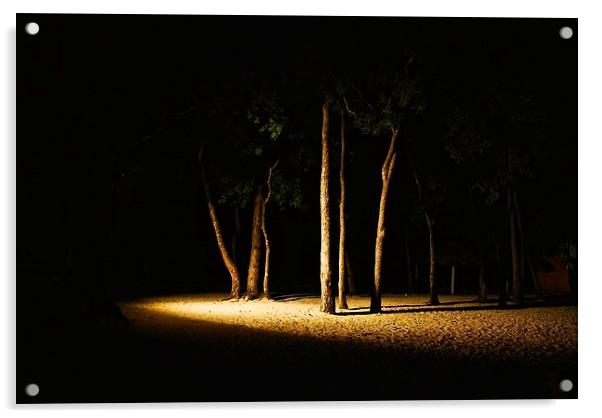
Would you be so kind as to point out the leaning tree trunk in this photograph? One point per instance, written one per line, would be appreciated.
(228, 262)
(342, 299)
(266, 265)
(434, 298)
(326, 293)
(255, 258)
(517, 285)
(386, 172)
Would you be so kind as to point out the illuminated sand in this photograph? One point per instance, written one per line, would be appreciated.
(458, 328)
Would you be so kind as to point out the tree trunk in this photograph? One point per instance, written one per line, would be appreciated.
(254, 260)
(408, 255)
(500, 278)
(266, 267)
(326, 293)
(517, 291)
(228, 262)
(342, 299)
(349, 271)
(386, 171)
(416, 267)
(521, 242)
(453, 280)
(434, 298)
(482, 283)
(533, 273)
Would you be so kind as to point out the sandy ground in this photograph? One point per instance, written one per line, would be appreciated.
(200, 348)
(458, 328)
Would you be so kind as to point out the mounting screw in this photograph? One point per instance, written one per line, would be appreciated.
(32, 389)
(32, 28)
(566, 385)
(566, 32)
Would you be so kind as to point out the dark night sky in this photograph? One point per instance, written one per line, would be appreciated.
(96, 199)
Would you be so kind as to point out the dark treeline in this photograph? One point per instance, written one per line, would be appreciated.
(214, 138)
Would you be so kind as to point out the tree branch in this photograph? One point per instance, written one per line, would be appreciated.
(348, 108)
(269, 184)
(390, 153)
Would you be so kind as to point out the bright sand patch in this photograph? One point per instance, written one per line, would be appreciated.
(459, 327)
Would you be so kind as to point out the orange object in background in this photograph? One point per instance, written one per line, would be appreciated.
(553, 275)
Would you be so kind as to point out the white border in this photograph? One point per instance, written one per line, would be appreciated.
(590, 138)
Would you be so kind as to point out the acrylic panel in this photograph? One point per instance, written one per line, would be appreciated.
(295, 208)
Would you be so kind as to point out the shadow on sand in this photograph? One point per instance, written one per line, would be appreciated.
(468, 305)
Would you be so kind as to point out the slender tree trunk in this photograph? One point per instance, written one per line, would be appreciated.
(266, 266)
(342, 299)
(408, 256)
(517, 291)
(416, 268)
(254, 260)
(517, 264)
(524, 252)
(533, 273)
(228, 262)
(501, 279)
(386, 172)
(326, 293)
(521, 242)
(434, 298)
(349, 272)
(482, 282)
(482, 291)
(453, 280)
